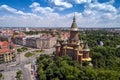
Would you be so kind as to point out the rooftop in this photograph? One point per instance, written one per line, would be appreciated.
(74, 26)
(5, 47)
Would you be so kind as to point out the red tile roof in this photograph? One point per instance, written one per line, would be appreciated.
(2, 51)
(4, 43)
(5, 47)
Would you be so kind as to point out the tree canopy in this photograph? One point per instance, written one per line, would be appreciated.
(64, 68)
(105, 60)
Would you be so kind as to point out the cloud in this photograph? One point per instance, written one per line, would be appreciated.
(101, 15)
(64, 4)
(82, 1)
(95, 14)
(36, 8)
(22, 19)
(61, 4)
(7, 8)
(102, 7)
(110, 2)
(34, 4)
(101, 11)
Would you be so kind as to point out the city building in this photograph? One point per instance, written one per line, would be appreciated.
(43, 42)
(6, 33)
(21, 40)
(7, 52)
(27, 29)
(73, 47)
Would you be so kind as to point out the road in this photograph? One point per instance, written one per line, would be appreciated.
(24, 60)
(26, 74)
(20, 65)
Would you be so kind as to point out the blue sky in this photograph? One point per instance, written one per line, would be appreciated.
(59, 13)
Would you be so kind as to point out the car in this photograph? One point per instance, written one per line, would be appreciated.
(33, 67)
(35, 73)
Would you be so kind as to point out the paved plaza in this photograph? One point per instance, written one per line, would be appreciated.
(9, 75)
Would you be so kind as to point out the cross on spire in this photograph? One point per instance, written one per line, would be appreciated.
(74, 18)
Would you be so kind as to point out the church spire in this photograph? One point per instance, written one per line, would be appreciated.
(74, 18)
(74, 30)
(74, 25)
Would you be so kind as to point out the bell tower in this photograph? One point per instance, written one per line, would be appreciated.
(74, 31)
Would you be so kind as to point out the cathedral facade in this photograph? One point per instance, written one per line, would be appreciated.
(73, 47)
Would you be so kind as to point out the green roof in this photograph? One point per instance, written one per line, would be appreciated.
(74, 25)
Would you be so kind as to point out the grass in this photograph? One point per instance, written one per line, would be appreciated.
(37, 51)
(29, 54)
(22, 49)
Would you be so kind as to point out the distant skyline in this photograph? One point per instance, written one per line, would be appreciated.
(59, 13)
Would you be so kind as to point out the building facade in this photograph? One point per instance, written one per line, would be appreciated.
(43, 42)
(7, 52)
(21, 40)
(73, 47)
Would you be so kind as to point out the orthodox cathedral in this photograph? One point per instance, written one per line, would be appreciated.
(73, 47)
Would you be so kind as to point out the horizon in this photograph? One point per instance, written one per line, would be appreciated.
(57, 13)
(68, 27)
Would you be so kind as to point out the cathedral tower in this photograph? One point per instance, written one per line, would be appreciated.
(74, 31)
(73, 47)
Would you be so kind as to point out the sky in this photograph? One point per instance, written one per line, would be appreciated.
(59, 13)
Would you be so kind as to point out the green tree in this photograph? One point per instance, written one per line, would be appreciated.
(19, 75)
(1, 76)
(19, 50)
(117, 52)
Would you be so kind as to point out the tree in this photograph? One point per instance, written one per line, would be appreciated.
(1, 76)
(24, 48)
(19, 50)
(117, 52)
(19, 75)
(64, 68)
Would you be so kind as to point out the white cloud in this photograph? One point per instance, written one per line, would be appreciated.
(34, 4)
(82, 1)
(61, 4)
(110, 2)
(101, 11)
(102, 7)
(7, 8)
(94, 15)
(36, 8)
(64, 4)
(101, 15)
